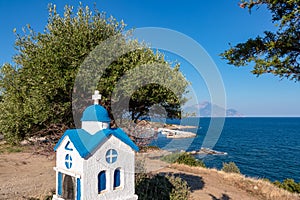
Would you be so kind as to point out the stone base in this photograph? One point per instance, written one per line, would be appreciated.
(55, 197)
(134, 197)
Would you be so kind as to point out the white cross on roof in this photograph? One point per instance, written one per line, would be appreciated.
(96, 97)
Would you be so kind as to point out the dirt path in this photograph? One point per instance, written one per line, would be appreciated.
(28, 176)
(25, 176)
(210, 186)
(204, 184)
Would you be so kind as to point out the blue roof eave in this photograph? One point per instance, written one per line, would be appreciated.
(86, 143)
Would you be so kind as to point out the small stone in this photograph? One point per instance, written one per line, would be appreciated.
(24, 142)
(255, 187)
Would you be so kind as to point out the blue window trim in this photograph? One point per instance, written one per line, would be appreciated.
(111, 156)
(117, 178)
(68, 161)
(59, 185)
(101, 181)
(67, 147)
(78, 190)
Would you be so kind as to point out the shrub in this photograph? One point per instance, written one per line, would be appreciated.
(31, 101)
(161, 187)
(181, 191)
(289, 185)
(49, 195)
(190, 160)
(8, 148)
(171, 158)
(266, 179)
(230, 168)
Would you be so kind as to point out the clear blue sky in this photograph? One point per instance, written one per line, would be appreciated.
(213, 24)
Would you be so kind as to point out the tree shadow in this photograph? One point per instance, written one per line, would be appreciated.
(223, 197)
(194, 182)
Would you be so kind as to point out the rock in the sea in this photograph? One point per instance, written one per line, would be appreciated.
(193, 152)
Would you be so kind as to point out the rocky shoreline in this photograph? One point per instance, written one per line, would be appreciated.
(175, 133)
(207, 151)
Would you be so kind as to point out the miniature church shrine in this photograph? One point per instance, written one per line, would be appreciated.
(96, 161)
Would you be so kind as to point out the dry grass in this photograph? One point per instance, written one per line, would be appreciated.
(8, 148)
(259, 188)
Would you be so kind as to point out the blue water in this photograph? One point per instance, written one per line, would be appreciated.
(260, 147)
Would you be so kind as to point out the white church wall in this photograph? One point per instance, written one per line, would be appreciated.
(75, 166)
(97, 163)
(110, 155)
(93, 127)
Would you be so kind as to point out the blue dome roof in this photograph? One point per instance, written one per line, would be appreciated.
(95, 113)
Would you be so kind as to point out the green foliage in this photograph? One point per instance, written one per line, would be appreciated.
(230, 168)
(37, 93)
(50, 194)
(183, 158)
(8, 148)
(181, 190)
(266, 179)
(289, 185)
(161, 187)
(14, 149)
(171, 158)
(150, 186)
(190, 160)
(275, 52)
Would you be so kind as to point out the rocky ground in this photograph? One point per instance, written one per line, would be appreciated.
(29, 176)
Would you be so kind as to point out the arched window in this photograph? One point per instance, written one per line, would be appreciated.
(117, 178)
(68, 187)
(101, 181)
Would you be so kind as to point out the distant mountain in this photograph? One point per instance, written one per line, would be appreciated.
(233, 113)
(205, 108)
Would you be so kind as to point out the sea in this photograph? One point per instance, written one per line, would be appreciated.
(262, 147)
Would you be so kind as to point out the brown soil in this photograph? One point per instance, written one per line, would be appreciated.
(28, 176)
(211, 184)
(215, 185)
